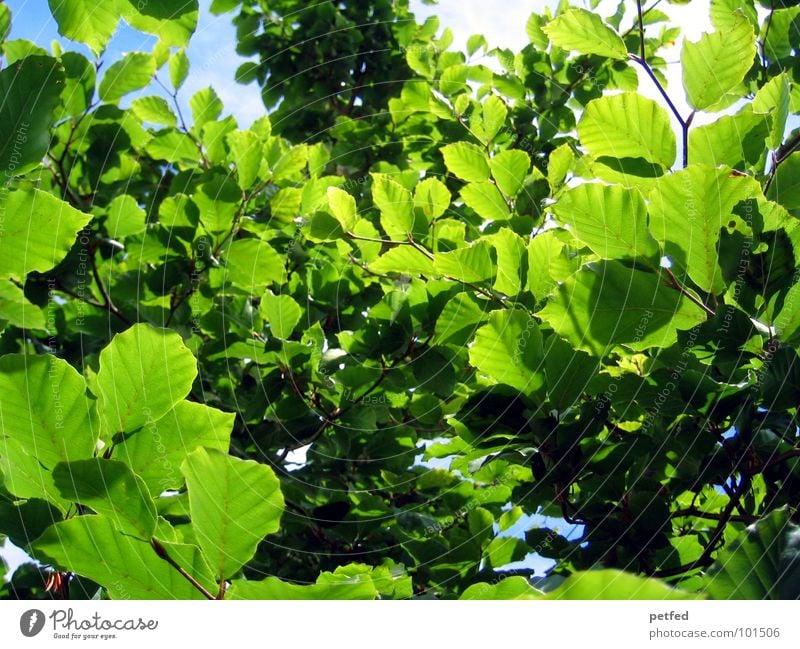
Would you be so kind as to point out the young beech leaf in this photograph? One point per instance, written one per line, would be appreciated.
(143, 373)
(234, 504)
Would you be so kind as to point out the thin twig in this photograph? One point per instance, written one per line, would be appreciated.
(174, 96)
(694, 511)
(674, 283)
(642, 60)
(706, 558)
(783, 152)
(161, 551)
(103, 292)
(788, 455)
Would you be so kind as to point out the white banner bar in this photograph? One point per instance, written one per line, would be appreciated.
(401, 624)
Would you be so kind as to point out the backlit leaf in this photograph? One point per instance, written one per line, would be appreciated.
(234, 504)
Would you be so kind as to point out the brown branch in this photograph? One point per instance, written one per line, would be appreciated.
(695, 511)
(788, 455)
(161, 551)
(706, 558)
(674, 283)
(783, 152)
(109, 305)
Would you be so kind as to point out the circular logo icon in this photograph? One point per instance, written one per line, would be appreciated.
(31, 622)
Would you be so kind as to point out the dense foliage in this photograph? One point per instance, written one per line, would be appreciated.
(347, 351)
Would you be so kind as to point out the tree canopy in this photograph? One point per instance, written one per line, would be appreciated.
(431, 311)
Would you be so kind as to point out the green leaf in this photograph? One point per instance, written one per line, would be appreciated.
(154, 109)
(25, 477)
(725, 13)
(609, 219)
(494, 116)
(472, 264)
(342, 584)
(206, 107)
(773, 99)
(687, 211)
(5, 22)
(615, 584)
(143, 373)
(466, 161)
(178, 68)
(86, 21)
(585, 32)
(405, 260)
(760, 563)
(511, 258)
(324, 227)
(291, 163)
(25, 521)
(628, 125)
(780, 40)
(509, 169)
(80, 77)
(213, 139)
(17, 310)
(31, 90)
(432, 197)
(343, 207)
(155, 452)
(508, 349)
(486, 200)
(44, 408)
(125, 217)
(533, 28)
(503, 550)
(568, 373)
(252, 265)
(787, 320)
(127, 567)
(218, 200)
(41, 225)
(173, 21)
(234, 504)
(246, 154)
(396, 206)
(132, 72)
(717, 63)
(506, 589)
(606, 303)
(733, 140)
(549, 262)
(476, 42)
(785, 186)
(281, 312)
(174, 146)
(459, 320)
(109, 488)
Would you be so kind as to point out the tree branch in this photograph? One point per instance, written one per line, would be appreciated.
(783, 152)
(706, 558)
(642, 60)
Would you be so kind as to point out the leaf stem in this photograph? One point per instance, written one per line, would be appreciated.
(162, 553)
(674, 283)
(101, 287)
